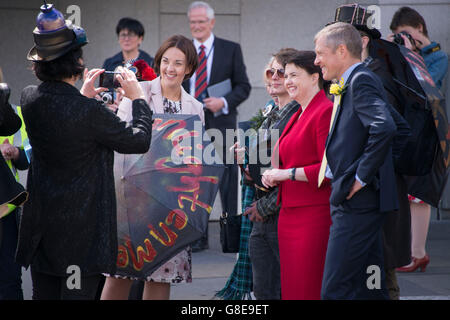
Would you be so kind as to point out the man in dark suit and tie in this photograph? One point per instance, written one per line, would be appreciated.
(219, 60)
(358, 160)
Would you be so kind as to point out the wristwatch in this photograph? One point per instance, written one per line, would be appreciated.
(292, 176)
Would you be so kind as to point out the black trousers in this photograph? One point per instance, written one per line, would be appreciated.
(48, 287)
(10, 271)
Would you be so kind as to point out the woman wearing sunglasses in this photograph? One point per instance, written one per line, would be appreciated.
(263, 242)
(304, 219)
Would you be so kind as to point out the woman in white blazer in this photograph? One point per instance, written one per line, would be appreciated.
(153, 92)
(175, 61)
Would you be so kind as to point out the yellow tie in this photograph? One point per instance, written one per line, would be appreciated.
(323, 165)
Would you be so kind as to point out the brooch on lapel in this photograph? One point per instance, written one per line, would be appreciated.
(267, 110)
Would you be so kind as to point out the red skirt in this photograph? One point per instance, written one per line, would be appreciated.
(303, 238)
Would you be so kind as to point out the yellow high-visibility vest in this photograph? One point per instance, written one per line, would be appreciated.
(22, 136)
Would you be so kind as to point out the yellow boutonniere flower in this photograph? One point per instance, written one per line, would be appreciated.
(337, 90)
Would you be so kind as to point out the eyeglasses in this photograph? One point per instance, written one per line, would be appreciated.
(201, 22)
(270, 72)
(127, 35)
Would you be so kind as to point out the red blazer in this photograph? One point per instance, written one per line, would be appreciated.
(302, 145)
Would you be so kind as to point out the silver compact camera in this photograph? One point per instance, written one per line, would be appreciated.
(108, 97)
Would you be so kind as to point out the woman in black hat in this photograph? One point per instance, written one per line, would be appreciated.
(68, 227)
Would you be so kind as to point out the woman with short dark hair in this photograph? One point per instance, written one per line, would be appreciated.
(407, 20)
(131, 25)
(69, 222)
(175, 61)
(130, 34)
(68, 66)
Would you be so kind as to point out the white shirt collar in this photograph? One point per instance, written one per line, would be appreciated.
(208, 43)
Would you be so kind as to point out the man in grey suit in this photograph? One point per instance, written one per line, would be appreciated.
(220, 60)
(359, 163)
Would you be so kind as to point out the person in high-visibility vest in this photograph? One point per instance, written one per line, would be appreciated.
(15, 146)
(12, 194)
(15, 151)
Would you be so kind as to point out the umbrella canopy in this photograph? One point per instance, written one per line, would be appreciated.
(165, 196)
(434, 98)
(427, 155)
(409, 71)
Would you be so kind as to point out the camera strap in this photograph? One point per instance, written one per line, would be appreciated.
(435, 48)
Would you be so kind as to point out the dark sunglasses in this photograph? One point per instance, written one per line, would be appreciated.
(270, 72)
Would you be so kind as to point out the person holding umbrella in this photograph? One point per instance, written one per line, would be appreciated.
(175, 61)
(68, 225)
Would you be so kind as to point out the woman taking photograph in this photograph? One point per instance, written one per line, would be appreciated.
(69, 222)
(175, 61)
(304, 220)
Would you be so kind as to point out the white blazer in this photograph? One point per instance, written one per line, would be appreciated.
(153, 96)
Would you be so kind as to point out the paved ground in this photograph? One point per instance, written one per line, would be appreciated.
(434, 283)
(211, 269)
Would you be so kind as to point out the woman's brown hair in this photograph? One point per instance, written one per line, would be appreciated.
(186, 46)
(406, 16)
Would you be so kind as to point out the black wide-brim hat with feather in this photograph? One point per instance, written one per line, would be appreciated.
(356, 16)
(54, 36)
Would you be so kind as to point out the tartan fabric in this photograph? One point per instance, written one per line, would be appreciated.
(240, 282)
(267, 205)
(277, 115)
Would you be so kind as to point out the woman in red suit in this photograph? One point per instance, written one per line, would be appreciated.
(304, 221)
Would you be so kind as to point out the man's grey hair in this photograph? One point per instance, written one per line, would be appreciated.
(201, 4)
(342, 33)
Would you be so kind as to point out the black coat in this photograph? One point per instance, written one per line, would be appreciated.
(228, 63)
(9, 120)
(115, 61)
(397, 226)
(70, 217)
(9, 124)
